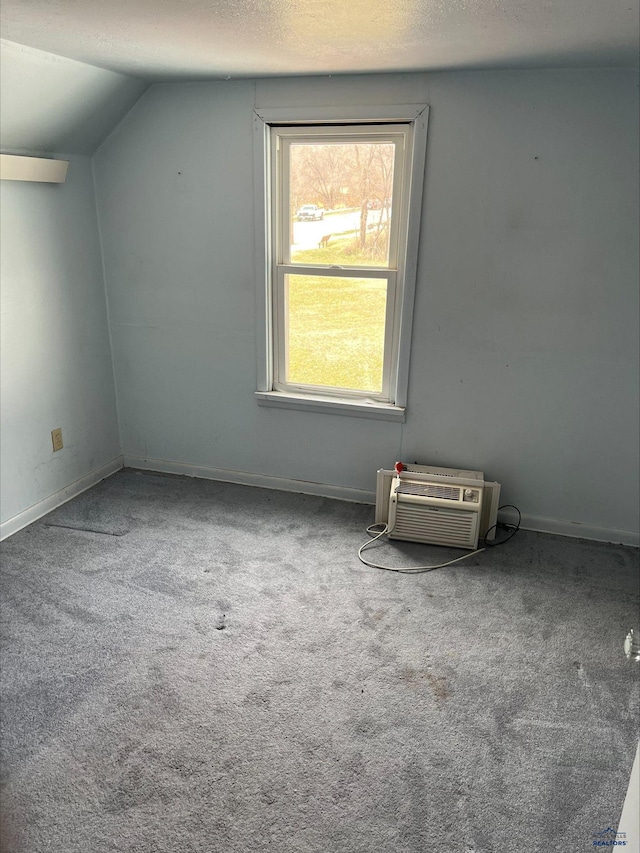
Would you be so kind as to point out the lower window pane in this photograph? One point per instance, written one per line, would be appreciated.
(335, 331)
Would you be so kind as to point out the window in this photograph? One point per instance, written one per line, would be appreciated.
(340, 218)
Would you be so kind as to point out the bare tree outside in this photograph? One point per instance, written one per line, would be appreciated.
(341, 178)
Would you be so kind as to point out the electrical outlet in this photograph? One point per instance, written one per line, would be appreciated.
(56, 439)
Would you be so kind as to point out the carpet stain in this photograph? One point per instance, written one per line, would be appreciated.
(367, 727)
(73, 611)
(438, 686)
(582, 675)
(371, 618)
(414, 677)
(269, 593)
(161, 694)
(351, 772)
(530, 603)
(257, 699)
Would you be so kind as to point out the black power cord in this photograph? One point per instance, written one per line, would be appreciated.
(512, 528)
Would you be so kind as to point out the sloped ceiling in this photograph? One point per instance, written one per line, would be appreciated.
(51, 105)
(195, 39)
(71, 69)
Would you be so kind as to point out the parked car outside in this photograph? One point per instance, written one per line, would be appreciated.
(310, 211)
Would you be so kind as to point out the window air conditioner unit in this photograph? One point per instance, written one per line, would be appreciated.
(438, 506)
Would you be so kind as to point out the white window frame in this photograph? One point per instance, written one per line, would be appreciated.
(411, 120)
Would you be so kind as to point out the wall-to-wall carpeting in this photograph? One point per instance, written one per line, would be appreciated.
(198, 667)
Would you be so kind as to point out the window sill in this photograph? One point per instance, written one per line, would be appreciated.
(331, 406)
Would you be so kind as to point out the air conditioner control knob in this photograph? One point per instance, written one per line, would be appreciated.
(469, 495)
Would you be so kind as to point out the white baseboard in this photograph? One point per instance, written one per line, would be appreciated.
(33, 513)
(245, 478)
(574, 529)
(536, 523)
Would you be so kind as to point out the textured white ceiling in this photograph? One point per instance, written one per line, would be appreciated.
(194, 39)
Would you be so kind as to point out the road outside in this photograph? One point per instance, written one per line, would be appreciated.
(307, 235)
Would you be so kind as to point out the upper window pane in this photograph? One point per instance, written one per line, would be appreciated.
(340, 202)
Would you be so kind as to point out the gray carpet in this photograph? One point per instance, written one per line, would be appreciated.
(203, 667)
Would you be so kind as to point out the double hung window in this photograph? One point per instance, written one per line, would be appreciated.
(339, 216)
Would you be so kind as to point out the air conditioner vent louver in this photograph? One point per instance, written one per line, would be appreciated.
(435, 524)
(422, 509)
(428, 490)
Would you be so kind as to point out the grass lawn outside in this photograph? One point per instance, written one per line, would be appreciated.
(336, 325)
(336, 331)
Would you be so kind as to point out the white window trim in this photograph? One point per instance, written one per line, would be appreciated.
(263, 119)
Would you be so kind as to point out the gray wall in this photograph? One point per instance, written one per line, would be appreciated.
(525, 350)
(56, 360)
